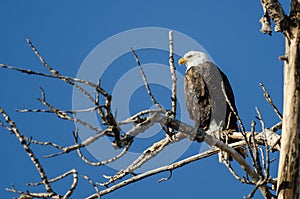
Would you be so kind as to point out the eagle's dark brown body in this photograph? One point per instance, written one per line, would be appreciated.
(200, 84)
(205, 99)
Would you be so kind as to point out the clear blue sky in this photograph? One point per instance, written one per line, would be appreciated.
(65, 32)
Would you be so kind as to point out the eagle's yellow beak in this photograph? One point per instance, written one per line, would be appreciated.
(182, 61)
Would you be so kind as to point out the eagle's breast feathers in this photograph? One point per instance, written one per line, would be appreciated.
(197, 98)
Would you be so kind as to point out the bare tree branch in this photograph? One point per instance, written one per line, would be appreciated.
(215, 142)
(173, 74)
(73, 186)
(276, 13)
(122, 153)
(145, 81)
(270, 101)
(265, 22)
(168, 178)
(232, 109)
(170, 167)
(29, 152)
(93, 184)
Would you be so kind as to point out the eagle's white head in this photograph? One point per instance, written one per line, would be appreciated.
(193, 58)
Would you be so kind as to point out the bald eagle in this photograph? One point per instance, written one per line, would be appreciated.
(205, 99)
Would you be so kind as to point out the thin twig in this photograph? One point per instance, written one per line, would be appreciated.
(260, 118)
(30, 153)
(232, 109)
(30, 72)
(173, 74)
(267, 153)
(253, 153)
(93, 184)
(30, 140)
(30, 195)
(41, 58)
(242, 180)
(77, 145)
(48, 111)
(73, 186)
(123, 152)
(168, 178)
(26, 71)
(251, 194)
(145, 80)
(238, 119)
(270, 101)
(63, 115)
(56, 73)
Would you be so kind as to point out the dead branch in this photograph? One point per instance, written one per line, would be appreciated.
(148, 154)
(73, 186)
(137, 117)
(77, 145)
(170, 167)
(275, 11)
(173, 74)
(145, 81)
(267, 154)
(241, 179)
(265, 22)
(270, 101)
(107, 118)
(232, 109)
(29, 152)
(93, 184)
(30, 195)
(122, 153)
(63, 115)
(215, 142)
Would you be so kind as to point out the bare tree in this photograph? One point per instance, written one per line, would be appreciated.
(259, 143)
(288, 172)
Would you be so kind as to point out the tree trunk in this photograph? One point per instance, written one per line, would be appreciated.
(288, 172)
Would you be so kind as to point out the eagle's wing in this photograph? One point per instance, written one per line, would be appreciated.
(230, 119)
(221, 110)
(197, 98)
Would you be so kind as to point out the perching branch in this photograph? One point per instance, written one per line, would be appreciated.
(215, 142)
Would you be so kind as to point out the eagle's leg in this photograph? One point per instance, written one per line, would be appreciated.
(199, 138)
(223, 156)
(169, 132)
